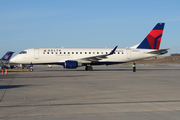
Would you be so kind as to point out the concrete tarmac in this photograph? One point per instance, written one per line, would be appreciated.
(107, 93)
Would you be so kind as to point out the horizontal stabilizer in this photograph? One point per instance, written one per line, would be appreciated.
(159, 52)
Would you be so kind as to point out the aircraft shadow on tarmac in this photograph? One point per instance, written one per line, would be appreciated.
(87, 71)
(6, 76)
(52, 76)
(12, 86)
(140, 69)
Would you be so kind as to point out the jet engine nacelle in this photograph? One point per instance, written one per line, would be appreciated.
(72, 64)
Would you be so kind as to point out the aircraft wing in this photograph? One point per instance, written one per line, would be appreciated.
(99, 57)
(159, 52)
(95, 58)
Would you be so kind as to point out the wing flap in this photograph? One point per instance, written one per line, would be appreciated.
(95, 58)
(98, 57)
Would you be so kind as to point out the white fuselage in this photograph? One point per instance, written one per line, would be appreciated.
(75, 57)
(60, 55)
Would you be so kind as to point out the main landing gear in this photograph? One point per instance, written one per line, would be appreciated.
(31, 67)
(88, 68)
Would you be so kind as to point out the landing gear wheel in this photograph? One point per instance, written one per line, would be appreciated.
(88, 68)
(31, 69)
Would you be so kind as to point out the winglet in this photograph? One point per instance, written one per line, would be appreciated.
(112, 52)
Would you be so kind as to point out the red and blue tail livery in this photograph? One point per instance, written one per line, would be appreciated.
(7, 56)
(153, 39)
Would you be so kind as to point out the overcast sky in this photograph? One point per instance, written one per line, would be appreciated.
(86, 23)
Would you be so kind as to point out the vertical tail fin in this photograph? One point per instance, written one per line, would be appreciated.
(7, 56)
(153, 39)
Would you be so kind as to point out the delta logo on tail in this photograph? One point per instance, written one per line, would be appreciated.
(153, 39)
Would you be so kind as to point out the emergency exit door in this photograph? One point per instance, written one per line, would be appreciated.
(36, 53)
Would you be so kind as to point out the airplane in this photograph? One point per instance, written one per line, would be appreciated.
(5, 59)
(76, 57)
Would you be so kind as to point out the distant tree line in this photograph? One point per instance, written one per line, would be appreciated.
(176, 54)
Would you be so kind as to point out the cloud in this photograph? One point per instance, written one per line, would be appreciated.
(15, 40)
(27, 14)
(173, 20)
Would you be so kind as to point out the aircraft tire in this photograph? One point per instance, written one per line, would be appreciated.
(89, 68)
(31, 69)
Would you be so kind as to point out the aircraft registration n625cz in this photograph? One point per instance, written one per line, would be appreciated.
(77, 57)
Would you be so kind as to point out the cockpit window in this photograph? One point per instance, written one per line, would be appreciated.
(23, 52)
